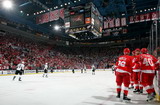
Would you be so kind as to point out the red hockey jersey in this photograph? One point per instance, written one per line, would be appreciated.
(124, 64)
(148, 63)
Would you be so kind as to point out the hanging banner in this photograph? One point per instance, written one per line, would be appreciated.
(39, 19)
(106, 24)
(111, 23)
(147, 16)
(54, 15)
(142, 18)
(131, 19)
(61, 13)
(50, 16)
(117, 22)
(123, 21)
(137, 18)
(45, 18)
(154, 15)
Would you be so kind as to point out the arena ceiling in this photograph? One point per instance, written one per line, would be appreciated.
(106, 7)
(30, 9)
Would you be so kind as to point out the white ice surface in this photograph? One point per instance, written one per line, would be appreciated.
(65, 89)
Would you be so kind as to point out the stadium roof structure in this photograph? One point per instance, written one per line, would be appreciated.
(30, 9)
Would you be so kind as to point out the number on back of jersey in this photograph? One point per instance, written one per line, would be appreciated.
(148, 62)
(122, 63)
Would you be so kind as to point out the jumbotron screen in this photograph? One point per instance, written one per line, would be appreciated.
(77, 20)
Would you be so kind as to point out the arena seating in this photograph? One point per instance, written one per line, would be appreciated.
(14, 49)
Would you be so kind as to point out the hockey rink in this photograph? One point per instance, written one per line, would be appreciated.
(65, 89)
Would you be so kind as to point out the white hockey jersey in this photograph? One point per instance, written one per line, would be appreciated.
(20, 66)
(46, 66)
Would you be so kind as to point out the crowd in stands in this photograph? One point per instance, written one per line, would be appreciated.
(15, 49)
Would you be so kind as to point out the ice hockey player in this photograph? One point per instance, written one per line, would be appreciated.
(85, 69)
(136, 73)
(131, 76)
(93, 69)
(19, 70)
(45, 70)
(148, 65)
(123, 71)
(73, 71)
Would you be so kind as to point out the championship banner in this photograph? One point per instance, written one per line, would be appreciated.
(123, 22)
(131, 19)
(142, 18)
(117, 22)
(111, 23)
(106, 24)
(137, 18)
(50, 16)
(61, 13)
(154, 15)
(45, 18)
(54, 15)
(147, 17)
(39, 20)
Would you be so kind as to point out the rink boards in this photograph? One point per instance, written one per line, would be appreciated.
(2, 72)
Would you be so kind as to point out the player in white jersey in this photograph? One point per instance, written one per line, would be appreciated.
(19, 70)
(93, 69)
(45, 70)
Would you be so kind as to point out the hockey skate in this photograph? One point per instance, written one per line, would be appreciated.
(20, 79)
(132, 87)
(141, 91)
(136, 91)
(126, 99)
(118, 97)
(14, 78)
(150, 97)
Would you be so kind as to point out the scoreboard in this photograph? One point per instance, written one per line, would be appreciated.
(84, 18)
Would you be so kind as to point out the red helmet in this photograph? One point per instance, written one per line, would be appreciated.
(137, 49)
(144, 50)
(133, 52)
(126, 51)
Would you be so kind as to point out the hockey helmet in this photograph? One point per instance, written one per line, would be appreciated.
(126, 51)
(144, 50)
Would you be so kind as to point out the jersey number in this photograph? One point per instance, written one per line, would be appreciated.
(122, 63)
(148, 62)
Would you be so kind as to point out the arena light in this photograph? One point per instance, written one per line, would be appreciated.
(56, 27)
(7, 4)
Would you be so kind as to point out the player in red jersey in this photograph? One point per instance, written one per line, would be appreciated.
(148, 65)
(131, 76)
(123, 72)
(136, 73)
